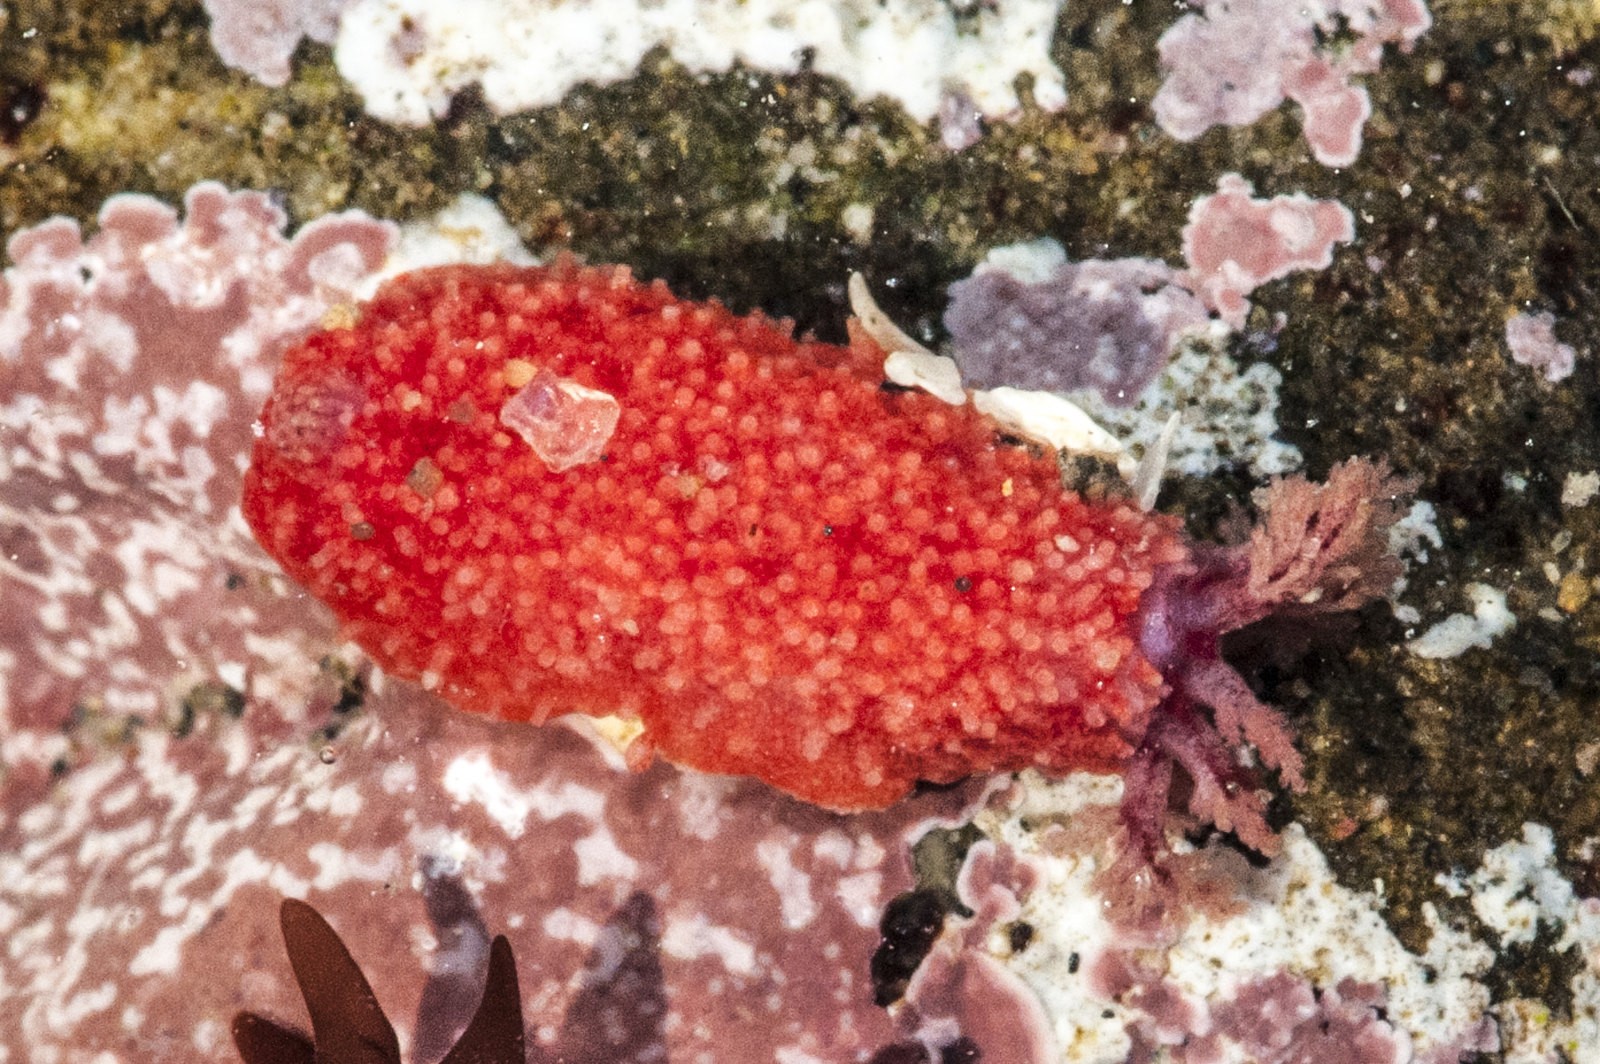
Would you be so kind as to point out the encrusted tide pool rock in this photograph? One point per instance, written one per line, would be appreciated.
(141, 898)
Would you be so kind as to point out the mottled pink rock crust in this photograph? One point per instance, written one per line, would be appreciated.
(1231, 61)
(132, 364)
(1234, 242)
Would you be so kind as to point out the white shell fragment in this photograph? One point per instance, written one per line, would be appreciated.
(909, 364)
(1147, 477)
(934, 374)
(564, 422)
(1039, 416)
(1048, 419)
(888, 335)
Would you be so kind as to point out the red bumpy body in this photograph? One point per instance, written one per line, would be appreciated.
(780, 567)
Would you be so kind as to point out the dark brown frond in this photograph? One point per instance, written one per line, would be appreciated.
(260, 1041)
(495, 1034)
(347, 1024)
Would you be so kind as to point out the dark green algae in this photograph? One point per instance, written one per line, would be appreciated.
(1474, 199)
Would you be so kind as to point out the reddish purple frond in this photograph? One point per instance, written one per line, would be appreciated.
(1318, 548)
(1222, 792)
(1324, 548)
(1240, 717)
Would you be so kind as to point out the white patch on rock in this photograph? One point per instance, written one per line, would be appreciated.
(473, 779)
(861, 896)
(1415, 532)
(564, 925)
(599, 858)
(1459, 632)
(689, 938)
(1029, 261)
(1069, 921)
(1516, 889)
(407, 58)
(470, 229)
(337, 865)
(793, 886)
(833, 846)
(1579, 488)
(1229, 412)
(701, 804)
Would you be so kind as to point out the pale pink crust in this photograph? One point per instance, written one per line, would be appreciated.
(1231, 61)
(1234, 242)
(1532, 340)
(259, 37)
(132, 365)
(961, 987)
(1269, 1018)
(142, 898)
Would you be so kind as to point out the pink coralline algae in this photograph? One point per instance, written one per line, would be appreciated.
(1111, 325)
(132, 364)
(961, 987)
(1234, 243)
(1232, 61)
(147, 891)
(1532, 340)
(1272, 1019)
(259, 36)
(1106, 324)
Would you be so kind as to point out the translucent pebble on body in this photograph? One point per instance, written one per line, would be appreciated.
(565, 423)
